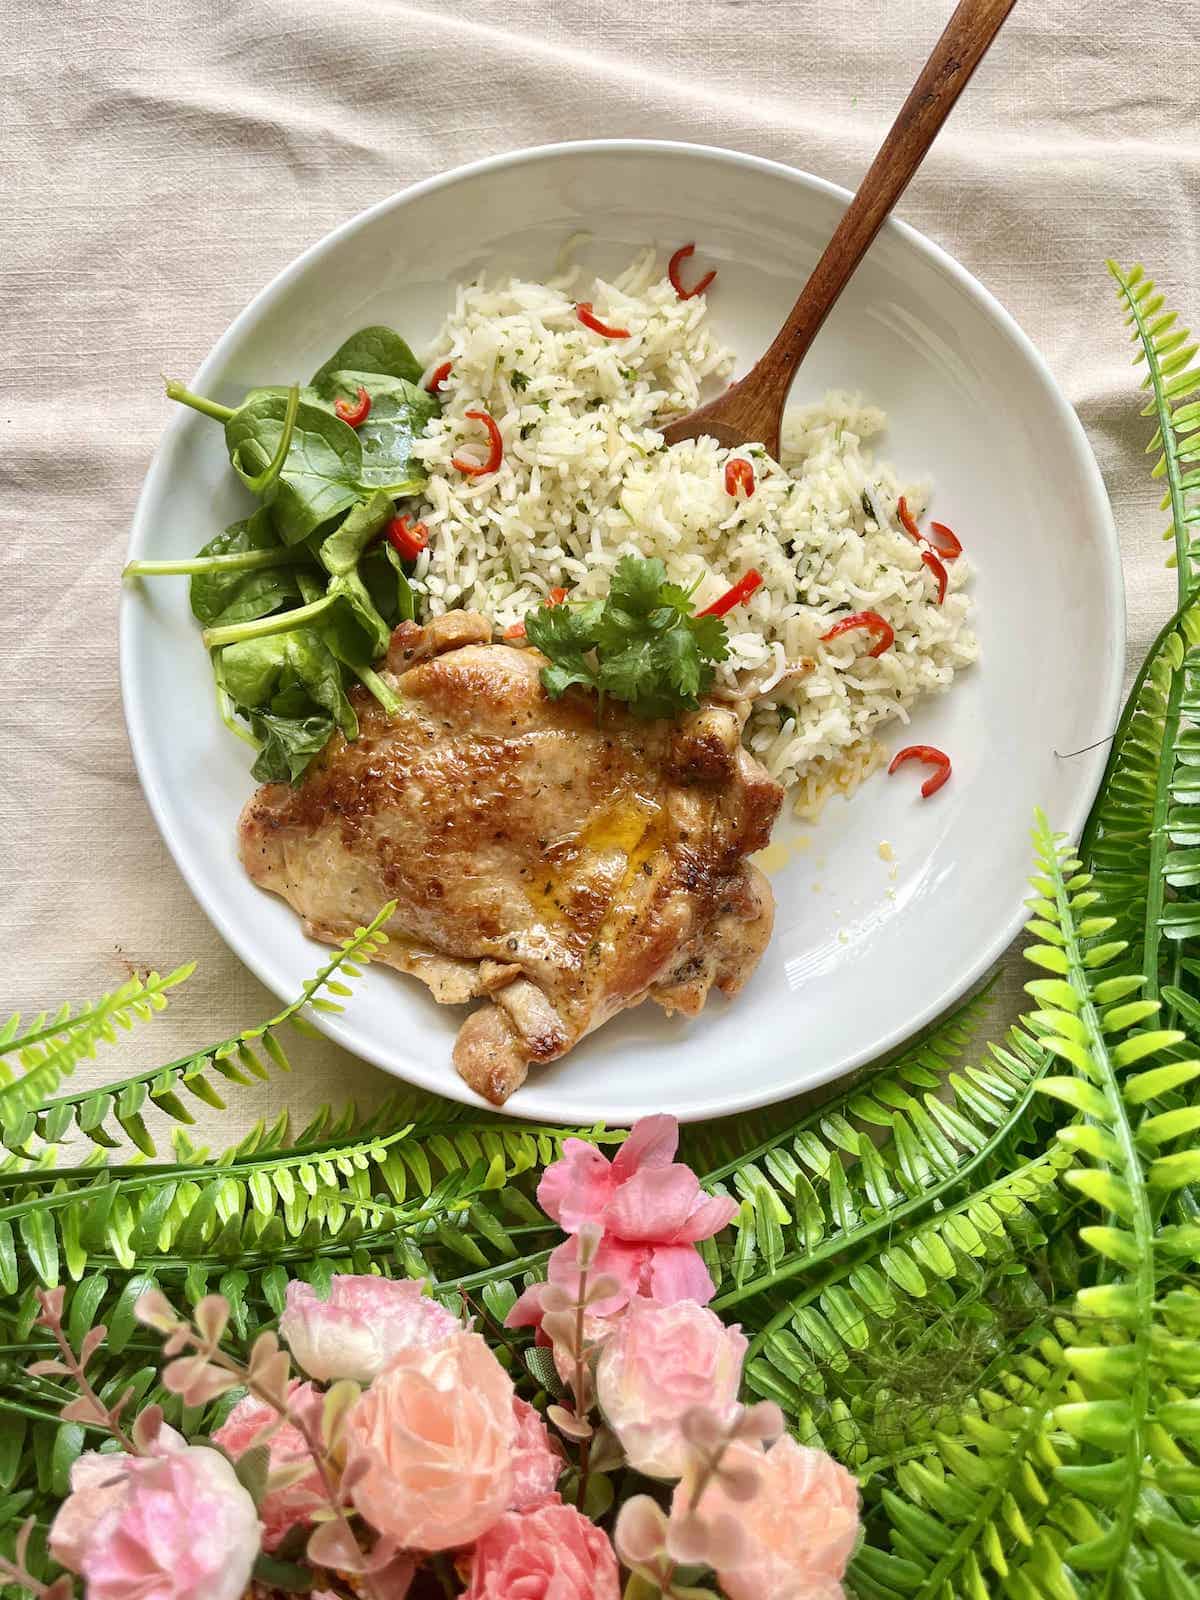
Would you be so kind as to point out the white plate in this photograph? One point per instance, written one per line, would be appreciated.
(864, 952)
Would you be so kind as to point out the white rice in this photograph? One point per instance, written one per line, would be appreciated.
(585, 479)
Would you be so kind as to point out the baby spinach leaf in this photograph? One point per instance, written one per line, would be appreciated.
(398, 415)
(342, 550)
(358, 634)
(382, 570)
(376, 349)
(288, 745)
(261, 483)
(219, 598)
(290, 675)
(320, 476)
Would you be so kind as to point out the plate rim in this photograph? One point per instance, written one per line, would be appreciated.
(532, 1103)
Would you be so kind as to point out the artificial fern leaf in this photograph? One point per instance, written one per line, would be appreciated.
(1129, 1364)
(237, 1060)
(50, 1051)
(1173, 380)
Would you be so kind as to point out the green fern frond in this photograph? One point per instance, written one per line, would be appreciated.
(1142, 841)
(103, 1114)
(1173, 380)
(49, 1051)
(1137, 1367)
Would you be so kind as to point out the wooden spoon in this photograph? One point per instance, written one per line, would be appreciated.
(752, 409)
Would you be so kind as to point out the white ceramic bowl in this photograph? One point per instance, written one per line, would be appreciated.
(865, 952)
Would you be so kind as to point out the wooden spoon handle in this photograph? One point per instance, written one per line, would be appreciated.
(946, 74)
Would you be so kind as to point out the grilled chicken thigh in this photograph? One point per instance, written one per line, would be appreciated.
(556, 866)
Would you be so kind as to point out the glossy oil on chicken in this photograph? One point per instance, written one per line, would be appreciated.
(557, 865)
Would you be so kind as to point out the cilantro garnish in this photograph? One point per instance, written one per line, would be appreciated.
(641, 645)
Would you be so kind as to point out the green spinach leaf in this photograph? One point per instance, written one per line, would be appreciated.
(398, 415)
(219, 598)
(288, 745)
(320, 476)
(382, 570)
(289, 674)
(377, 350)
(341, 551)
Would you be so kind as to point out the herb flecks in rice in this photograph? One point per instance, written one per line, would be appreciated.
(585, 479)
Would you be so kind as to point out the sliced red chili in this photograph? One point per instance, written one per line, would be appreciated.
(908, 520)
(944, 540)
(515, 631)
(480, 469)
(873, 622)
(438, 376)
(931, 561)
(355, 411)
(407, 538)
(590, 320)
(673, 266)
(555, 597)
(932, 757)
(741, 591)
(739, 474)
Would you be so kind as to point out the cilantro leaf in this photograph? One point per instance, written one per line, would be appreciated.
(641, 645)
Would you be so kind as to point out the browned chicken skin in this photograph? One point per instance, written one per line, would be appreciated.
(561, 868)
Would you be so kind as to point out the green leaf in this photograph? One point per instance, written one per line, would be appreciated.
(320, 477)
(377, 350)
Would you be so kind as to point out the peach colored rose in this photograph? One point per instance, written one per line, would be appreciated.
(434, 1437)
(363, 1323)
(797, 1532)
(179, 1526)
(659, 1363)
(283, 1508)
(536, 1465)
(553, 1553)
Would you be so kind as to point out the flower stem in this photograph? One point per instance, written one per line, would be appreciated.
(106, 1416)
(441, 1569)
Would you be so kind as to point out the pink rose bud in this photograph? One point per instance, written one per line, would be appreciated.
(437, 1432)
(660, 1364)
(363, 1324)
(553, 1553)
(795, 1535)
(282, 1508)
(176, 1526)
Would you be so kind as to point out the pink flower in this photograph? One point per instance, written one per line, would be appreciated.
(653, 1213)
(173, 1526)
(553, 1553)
(433, 1440)
(361, 1326)
(797, 1532)
(283, 1508)
(660, 1363)
(536, 1465)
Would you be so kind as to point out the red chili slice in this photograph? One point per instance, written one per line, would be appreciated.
(355, 411)
(407, 538)
(741, 591)
(931, 561)
(932, 757)
(944, 540)
(590, 320)
(673, 266)
(515, 631)
(739, 474)
(438, 376)
(873, 622)
(480, 469)
(908, 520)
(555, 597)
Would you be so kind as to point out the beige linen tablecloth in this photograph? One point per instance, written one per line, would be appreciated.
(162, 159)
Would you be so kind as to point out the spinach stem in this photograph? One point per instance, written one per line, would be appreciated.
(371, 680)
(235, 561)
(210, 408)
(264, 627)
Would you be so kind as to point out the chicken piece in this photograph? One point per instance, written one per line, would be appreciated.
(558, 867)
